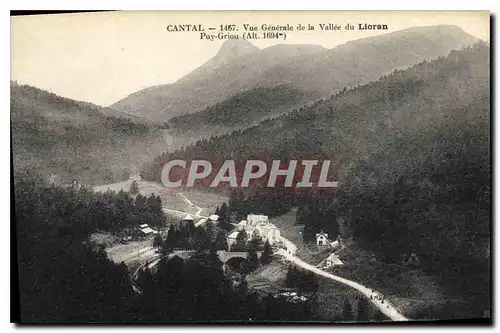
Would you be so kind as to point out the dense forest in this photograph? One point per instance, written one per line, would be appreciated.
(413, 161)
(243, 109)
(399, 104)
(64, 139)
(58, 263)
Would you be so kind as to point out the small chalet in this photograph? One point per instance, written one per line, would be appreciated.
(146, 231)
(214, 218)
(322, 238)
(201, 222)
(188, 218)
(333, 261)
(413, 260)
(231, 239)
(242, 225)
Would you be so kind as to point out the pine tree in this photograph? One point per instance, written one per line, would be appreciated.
(253, 259)
(224, 221)
(347, 311)
(134, 188)
(221, 241)
(240, 244)
(291, 277)
(158, 241)
(172, 241)
(363, 314)
(266, 254)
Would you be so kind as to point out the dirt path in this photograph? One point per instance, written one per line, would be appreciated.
(190, 203)
(383, 305)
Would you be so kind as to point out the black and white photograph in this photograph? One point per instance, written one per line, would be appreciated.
(251, 167)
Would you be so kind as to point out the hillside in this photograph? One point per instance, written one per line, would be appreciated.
(63, 139)
(245, 109)
(425, 95)
(304, 67)
(412, 154)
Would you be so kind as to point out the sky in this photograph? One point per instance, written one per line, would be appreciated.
(103, 57)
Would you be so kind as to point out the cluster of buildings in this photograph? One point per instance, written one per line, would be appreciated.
(292, 297)
(256, 226)
(332, 260)
(145, 231)
(214, 218)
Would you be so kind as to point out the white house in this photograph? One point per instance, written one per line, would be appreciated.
(214, 218)
(200, 222)
(335, 245)
(242, 225)
(231, 239)
(322, 238)
(256, 225)
(188, 218)
(333, 261)
(145, 230)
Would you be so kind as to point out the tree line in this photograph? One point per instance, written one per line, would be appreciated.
(57, 263)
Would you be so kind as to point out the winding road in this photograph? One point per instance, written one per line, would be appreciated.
(383, 305)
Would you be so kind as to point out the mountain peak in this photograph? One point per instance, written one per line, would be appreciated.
(235, 48)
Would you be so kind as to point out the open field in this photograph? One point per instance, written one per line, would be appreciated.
(175, 203)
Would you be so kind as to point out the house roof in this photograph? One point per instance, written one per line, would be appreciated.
(188, 218)
(233, 235)
(147, 230)
(144, 225)
(333, 258)
(214, 217)
(256, 218)
(321, 234)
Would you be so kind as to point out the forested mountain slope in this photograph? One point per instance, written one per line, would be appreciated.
(412, 155)
(240, 66)
(64, 139)
(242, 110)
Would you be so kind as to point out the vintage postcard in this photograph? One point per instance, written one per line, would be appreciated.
(251, 167)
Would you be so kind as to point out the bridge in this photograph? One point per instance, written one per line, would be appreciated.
(224, 256)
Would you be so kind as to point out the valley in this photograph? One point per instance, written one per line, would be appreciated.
(292, 182)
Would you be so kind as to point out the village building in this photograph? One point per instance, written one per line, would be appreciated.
(201, 222)
(413, 260)
(333, 261)
(336, 244)
(256, 226)
(188, 218)
(214, 218)
(231, 239)
(322, 238)
(74, 185)
(146, 231)
(292, 297)
(259, 226)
